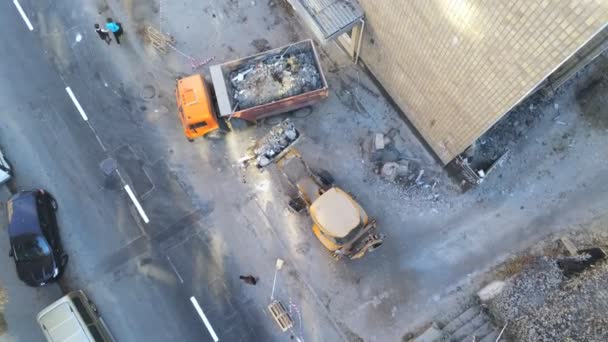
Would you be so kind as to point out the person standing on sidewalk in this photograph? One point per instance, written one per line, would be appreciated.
(115, 28)
(249, 279)
(103, 34)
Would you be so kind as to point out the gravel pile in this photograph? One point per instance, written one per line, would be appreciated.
(540, 304)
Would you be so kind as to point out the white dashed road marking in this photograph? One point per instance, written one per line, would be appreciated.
(204, 318)
(77, 104)
(141, 211)
(25, 18)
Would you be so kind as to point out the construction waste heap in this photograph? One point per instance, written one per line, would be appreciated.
(275, 78)
(272, 145)
(543, 304)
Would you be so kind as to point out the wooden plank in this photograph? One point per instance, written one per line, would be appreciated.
(572, 250)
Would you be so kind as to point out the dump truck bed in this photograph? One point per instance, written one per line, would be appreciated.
(270, 83)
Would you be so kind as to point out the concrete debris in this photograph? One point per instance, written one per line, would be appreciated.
(276, 141)
(275, 78)
(392, 170)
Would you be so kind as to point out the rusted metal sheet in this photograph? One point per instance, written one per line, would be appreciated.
(282, 106)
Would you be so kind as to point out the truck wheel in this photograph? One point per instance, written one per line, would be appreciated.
(238, 124)
(217, 134)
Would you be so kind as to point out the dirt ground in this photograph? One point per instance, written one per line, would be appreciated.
(441, 240)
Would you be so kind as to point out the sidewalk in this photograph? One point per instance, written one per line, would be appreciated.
(24, 302)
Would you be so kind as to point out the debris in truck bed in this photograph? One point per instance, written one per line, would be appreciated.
(275, 78)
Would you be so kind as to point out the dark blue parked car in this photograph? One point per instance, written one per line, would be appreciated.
(34, 237)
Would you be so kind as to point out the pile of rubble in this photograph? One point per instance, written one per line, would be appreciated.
(275, 78)
(541, 304)
(396, 167)
(270, 146)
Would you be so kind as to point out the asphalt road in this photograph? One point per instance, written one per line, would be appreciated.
(141, 275)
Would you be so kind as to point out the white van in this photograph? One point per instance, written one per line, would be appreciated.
(73, 318)
(5, 169)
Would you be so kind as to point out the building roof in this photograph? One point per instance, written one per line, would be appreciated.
(328, 18)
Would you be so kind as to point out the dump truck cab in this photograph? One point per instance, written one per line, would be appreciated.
(195, 107)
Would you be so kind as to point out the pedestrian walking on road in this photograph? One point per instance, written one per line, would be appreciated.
(249, 279)
(116, 29)
(103, 34)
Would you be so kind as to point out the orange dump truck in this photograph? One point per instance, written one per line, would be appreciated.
(251, 88)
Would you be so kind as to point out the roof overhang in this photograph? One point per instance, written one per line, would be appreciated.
(328, 19)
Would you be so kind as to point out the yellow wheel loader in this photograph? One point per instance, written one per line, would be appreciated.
(339, 222)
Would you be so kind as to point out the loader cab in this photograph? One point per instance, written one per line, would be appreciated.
(195, 107)
(338, 219)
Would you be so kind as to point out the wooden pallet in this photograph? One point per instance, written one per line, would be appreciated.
(280, 315)
(159, 40)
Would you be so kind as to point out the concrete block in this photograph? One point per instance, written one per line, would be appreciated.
(491, 290)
